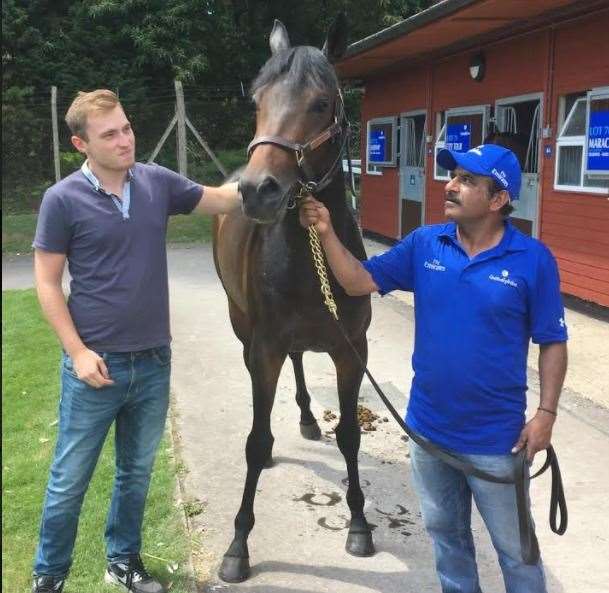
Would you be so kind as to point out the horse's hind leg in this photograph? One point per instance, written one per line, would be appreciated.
(309, 428)
(264, 364)
(349, 377)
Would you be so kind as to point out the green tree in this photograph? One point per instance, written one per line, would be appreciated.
(138, 47)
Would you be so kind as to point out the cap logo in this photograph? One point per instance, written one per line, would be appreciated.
(501, 176)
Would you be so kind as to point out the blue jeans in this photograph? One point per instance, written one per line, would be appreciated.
(138, 403)
(445, 496)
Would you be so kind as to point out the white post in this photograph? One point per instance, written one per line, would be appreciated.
(181, 115)
(55, 133)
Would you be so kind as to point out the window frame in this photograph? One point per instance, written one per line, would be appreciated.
(376, 168)
(563, 141)
(441, 125)
(594, 94)
(439, 145)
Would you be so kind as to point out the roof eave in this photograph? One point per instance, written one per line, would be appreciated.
(431, 14)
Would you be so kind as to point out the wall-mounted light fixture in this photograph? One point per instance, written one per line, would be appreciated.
(477, 67)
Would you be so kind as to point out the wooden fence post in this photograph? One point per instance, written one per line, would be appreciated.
(181, 115)
(55, 133)
(181, 120)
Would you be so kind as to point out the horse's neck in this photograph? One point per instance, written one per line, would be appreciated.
(334, 199)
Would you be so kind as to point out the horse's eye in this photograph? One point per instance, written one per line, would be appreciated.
(320, 106)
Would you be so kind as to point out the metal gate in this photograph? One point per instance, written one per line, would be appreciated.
(412, 171)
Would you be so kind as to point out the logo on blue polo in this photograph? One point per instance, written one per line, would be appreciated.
(504, 279)
(435, 265)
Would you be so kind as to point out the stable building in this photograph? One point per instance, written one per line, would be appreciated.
(533, 74)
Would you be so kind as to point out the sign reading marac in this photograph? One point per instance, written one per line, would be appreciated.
(458, 137)
(598, 142)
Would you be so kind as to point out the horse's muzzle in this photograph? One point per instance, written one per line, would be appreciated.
(266, 201)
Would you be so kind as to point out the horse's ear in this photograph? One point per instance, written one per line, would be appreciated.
(336, 42)
(279, 39)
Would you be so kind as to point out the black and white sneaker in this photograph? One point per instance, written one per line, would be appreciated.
(47, 584)
(132, 575)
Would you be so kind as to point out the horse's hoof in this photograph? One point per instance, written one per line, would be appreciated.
(234, 569)
(310, 431)
(269, 462)
(360, 543)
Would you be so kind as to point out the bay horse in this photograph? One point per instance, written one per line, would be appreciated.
(263, 260)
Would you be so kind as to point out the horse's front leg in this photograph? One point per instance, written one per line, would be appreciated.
(349, 377)
(309, 428)
(264, 364)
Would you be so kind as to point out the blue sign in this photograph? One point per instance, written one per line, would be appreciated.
(598, 141)
(458, 137)
(547, 150)
(376, 146)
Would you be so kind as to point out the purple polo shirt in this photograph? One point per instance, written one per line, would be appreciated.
(119, 298)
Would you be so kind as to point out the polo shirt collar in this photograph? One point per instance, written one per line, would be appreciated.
(86, 170)
(122, 205)
(512, 240)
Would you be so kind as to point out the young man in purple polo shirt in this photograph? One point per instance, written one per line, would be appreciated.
(482, 291)
(108, 221)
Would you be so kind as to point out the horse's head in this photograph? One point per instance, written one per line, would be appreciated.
(300, 123)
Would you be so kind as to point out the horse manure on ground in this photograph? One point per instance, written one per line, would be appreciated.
(365, 418)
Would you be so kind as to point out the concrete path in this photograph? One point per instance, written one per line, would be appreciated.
(297, 545)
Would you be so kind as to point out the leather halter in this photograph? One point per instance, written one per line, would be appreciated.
(307, 180)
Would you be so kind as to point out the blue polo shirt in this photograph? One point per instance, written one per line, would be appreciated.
(474, 319)
(119, 298)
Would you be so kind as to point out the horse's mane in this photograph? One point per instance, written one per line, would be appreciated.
(300, 67)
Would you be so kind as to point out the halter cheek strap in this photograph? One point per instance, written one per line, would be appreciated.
(340, 127)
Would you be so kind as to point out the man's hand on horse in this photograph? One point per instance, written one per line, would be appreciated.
(91, 368)
(536, 435)
(314, 213)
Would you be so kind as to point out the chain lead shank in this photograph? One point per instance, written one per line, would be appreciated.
(320, 266)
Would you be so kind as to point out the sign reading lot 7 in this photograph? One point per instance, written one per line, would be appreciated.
(458, 137)
(597, 134)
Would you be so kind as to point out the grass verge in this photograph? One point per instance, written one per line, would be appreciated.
(18, 233)
(30, 387)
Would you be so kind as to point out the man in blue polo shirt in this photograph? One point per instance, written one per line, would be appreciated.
(108, 221)
(482, 291)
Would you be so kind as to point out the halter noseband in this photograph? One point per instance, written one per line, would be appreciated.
(307, 181)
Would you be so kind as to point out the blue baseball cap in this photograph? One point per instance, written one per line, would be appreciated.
(490, 160)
